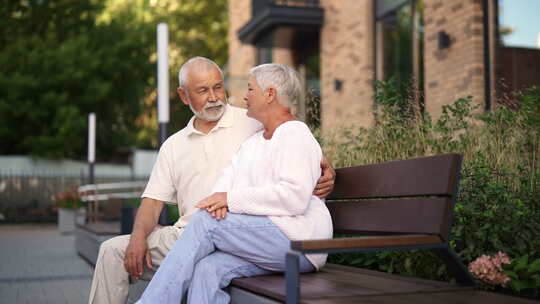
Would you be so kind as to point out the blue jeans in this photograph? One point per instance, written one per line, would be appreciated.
(210, 253)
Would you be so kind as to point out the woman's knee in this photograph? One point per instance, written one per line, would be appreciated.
(201, 218)
(200, 215)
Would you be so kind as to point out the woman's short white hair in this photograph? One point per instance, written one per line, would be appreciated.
(200, 61)
(280, 77)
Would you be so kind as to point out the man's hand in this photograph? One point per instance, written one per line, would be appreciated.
(325, 184)
(137, 253)
(215, 204)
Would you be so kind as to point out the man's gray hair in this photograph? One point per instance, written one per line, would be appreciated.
(199, 61)
(281, 77)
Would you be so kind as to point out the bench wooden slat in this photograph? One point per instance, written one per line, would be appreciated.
(111, 186)
(424, 176)
(448, 297)
(408, 216)
(335, 281)
(367, 242)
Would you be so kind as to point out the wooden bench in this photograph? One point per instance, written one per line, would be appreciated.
(109, 196)
(107, 215)
(399, 205)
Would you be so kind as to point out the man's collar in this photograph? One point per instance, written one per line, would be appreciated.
(227, 119)
(190, 127)
(224, 122)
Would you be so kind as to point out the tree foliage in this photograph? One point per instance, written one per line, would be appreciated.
(62, 59)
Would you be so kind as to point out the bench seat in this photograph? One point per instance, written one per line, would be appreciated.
(339, 284)
(337, 281)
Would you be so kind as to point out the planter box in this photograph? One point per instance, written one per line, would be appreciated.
(68, 217)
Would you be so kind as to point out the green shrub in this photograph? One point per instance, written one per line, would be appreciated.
(525, 275)
(498, 207)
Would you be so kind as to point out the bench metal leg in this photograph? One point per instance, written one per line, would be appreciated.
(455, 267)
(292, 275)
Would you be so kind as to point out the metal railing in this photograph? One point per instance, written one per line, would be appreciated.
(94, 194)
(30, 197)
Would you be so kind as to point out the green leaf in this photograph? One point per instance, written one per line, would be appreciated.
(521, 263)
(512, 274)
(517, 285)
(534, 267)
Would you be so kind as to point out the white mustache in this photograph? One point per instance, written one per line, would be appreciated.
(213, 105)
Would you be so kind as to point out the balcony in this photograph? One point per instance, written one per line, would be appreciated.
(267, 15)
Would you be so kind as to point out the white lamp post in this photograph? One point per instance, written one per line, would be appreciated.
(163, 80)
(91, 145)
(163, 94)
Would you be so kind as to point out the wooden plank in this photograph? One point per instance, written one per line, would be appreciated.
(447, 297)
(424, 176)
(414, 215)
(112, 186)
(340, 281)
(376, 274)
(313, 286)
(383, 283)
(240, 296)
(367, 242)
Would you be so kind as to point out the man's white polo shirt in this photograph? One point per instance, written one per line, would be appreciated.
(189, 162)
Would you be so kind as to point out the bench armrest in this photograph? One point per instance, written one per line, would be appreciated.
(369, 242)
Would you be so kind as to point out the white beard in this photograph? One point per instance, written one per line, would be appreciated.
(211, 111)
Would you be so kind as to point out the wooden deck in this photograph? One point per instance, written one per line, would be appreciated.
(337, 284)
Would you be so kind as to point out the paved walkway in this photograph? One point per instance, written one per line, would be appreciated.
(40, 265)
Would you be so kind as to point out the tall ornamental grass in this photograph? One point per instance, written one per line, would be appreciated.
(498, 208)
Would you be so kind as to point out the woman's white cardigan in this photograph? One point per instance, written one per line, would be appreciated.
(276, 178)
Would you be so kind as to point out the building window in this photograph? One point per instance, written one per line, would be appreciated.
(264, 55)
(264, 49)
(399, 32)
(309, 69)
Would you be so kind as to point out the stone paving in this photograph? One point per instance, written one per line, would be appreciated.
(40, 265)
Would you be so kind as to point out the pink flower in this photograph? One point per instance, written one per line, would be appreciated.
(488, 268)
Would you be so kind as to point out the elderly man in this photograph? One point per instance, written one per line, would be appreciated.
(267, 189)
(186, 169)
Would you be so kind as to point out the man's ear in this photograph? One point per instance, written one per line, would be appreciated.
(183, 95)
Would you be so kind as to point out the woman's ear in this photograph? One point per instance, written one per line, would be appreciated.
(271, 95)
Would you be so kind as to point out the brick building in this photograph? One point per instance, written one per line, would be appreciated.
(445, 49)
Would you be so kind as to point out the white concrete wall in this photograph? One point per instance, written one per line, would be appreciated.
(143, 161)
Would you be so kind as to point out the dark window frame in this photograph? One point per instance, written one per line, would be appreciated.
(378, 55)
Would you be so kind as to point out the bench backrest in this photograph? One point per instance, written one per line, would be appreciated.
(110, 197)
(408, 196)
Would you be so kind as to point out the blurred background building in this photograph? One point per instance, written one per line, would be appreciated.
(443, 50)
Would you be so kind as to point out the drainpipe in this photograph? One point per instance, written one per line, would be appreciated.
(487, 56)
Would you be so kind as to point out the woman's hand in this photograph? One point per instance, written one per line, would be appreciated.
(215, 204)
(325, 184)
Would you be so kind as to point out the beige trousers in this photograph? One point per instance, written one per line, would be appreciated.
(110, 284)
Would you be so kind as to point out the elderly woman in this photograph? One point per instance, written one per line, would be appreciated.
(261, 202)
